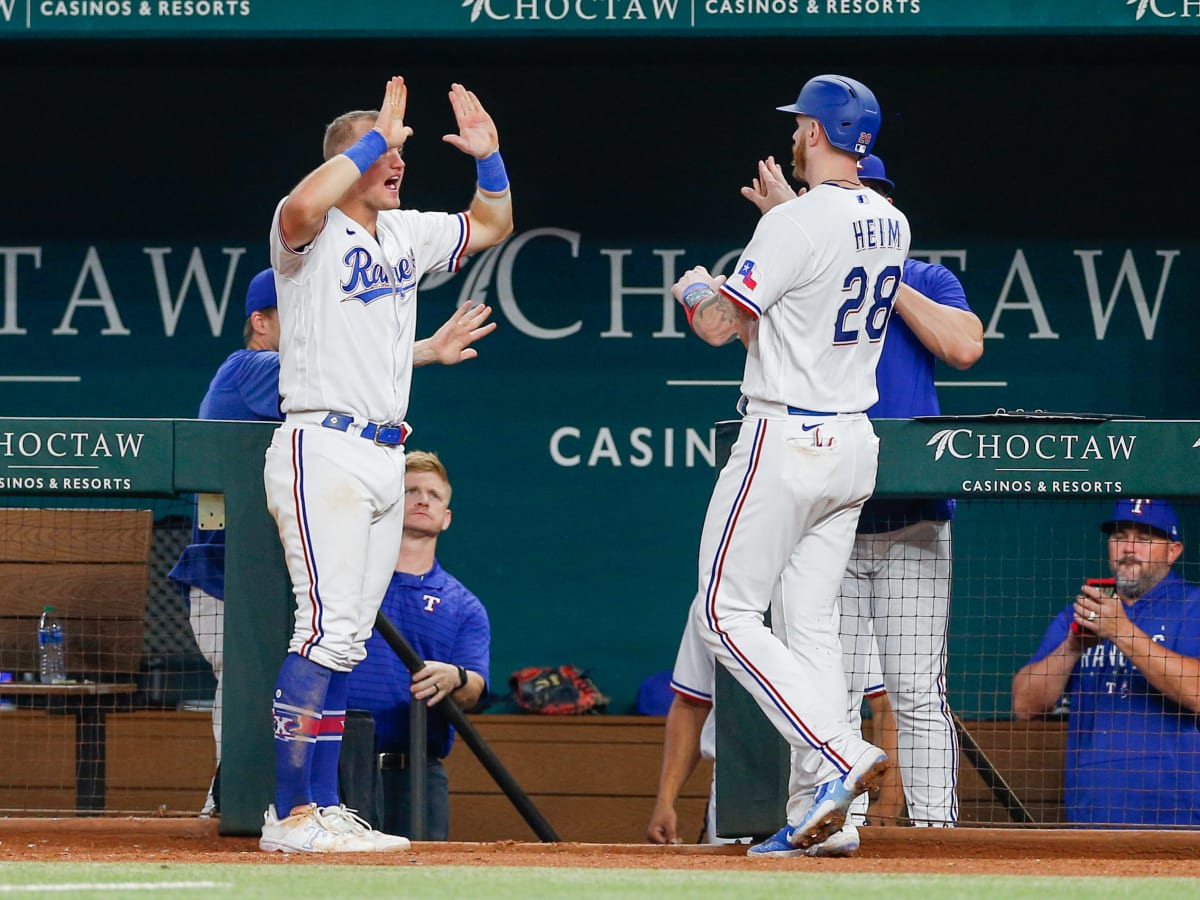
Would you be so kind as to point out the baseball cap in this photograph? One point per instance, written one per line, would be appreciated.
(870, 168)
(261, 293)
(1153, 515)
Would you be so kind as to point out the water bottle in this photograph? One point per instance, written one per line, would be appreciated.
(50, 648)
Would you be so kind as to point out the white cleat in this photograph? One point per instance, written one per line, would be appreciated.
(308, 831)
(347, 821)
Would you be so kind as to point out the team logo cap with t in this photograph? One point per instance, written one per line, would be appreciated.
(1153, 515)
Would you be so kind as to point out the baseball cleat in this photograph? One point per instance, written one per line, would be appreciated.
(840, 843)
(832, 802)
(347, 821)
(308, 831)
(777, 845)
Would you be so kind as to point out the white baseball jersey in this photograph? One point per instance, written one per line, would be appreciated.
(350, 350)
(822, 296)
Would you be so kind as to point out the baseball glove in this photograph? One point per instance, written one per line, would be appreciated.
(556, 691)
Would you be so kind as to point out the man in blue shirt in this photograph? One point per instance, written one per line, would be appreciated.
(1128, 659)
(448, 628)
(245, 389)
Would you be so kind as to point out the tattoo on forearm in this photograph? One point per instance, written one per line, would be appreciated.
(723, 310)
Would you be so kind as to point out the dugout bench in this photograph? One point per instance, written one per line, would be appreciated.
(92, 565)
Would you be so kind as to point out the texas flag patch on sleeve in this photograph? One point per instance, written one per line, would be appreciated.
(740, 288)
(746, 273)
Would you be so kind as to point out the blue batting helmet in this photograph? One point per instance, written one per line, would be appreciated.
(846, 109)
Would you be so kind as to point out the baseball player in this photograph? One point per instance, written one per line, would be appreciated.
(347, 261)
(448, 628)
(245, 388)
(1128, 657)
(896, 593)
(810, 298)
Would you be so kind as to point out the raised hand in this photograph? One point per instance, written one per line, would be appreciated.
(390, 122)
(451, 343)
(477, 134)
(770, 188)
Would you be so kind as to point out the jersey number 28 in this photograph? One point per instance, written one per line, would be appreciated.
(858, 285)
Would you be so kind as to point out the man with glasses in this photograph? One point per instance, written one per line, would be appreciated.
(1127, 656)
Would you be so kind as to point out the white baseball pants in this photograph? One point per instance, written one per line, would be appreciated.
(338, 501)
(786, 506)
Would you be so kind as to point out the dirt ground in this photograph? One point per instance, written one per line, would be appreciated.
(908, 850)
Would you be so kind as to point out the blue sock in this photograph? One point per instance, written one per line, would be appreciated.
(299, 700)
(329, 741)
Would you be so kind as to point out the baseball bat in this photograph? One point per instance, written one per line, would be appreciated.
(1000, 789)
(503, 778)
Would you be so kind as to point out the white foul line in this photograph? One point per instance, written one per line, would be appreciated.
(113, 886)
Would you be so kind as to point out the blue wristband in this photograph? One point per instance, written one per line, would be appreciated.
(369, 148)
(491, 174)
(695, 293)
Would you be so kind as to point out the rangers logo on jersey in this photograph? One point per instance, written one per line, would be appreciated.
(368, 280)
(746, 273)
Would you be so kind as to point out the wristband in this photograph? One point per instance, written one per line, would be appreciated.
(693, 295)
(491, 174)
(462, 678)
(369, 148)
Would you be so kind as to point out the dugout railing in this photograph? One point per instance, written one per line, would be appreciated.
(1031, 490)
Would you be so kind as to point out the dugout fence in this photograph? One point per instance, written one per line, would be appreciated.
(93, 515)
(1031, 493)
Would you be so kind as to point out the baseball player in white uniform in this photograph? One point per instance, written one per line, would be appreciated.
(810, 298)
(347, 261)
(899, 568)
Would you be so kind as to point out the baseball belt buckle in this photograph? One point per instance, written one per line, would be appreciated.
(391, 435)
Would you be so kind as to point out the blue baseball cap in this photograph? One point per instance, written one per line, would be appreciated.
(1153, 515)
(261, 293)
(870, 168)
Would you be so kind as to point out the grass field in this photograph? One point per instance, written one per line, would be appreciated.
(110, 880)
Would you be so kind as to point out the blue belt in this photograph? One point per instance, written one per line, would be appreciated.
(797, 411)
(386, 435)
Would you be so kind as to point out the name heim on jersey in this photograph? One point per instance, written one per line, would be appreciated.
(879, 233)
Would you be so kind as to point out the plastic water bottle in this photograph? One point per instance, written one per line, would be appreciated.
(50, 648)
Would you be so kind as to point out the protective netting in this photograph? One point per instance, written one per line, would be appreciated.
(129, 730)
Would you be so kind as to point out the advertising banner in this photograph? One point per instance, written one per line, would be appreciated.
(582, 18)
